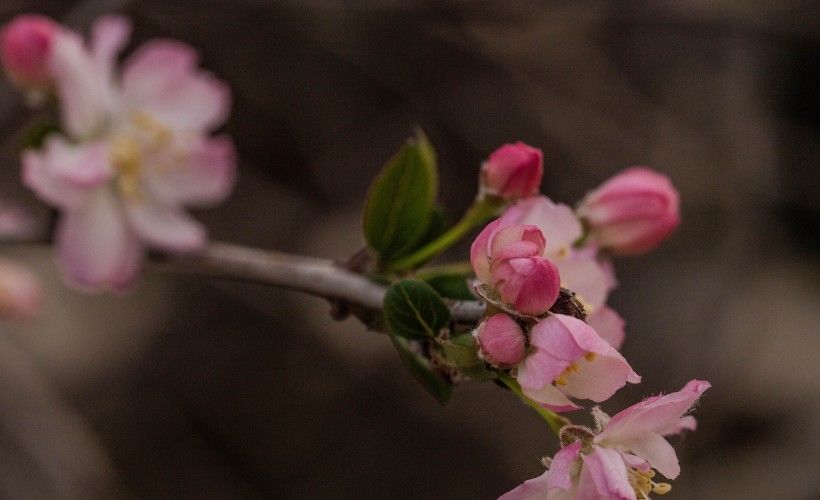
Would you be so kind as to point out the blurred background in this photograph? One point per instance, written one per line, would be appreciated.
(187, 388)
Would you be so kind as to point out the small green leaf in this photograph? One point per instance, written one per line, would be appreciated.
(400, 203)
(452, 286)
(461, 351)
(422, 370)
(413, 309)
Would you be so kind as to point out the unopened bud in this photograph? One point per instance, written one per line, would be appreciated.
(632, 212)
(25, 48)
(501, 340)
(513, 171)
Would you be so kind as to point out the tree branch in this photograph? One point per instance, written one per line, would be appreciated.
(320, 277)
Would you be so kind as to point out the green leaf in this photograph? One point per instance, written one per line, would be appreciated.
(461, 351)
(452, 286)
(422, 370)
(413, 309)
(400, 203)
(436, 227)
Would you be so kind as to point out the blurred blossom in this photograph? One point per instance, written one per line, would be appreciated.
(513, 171)
(137, 151)
(619, 461)
(633, 212)
(20, 292)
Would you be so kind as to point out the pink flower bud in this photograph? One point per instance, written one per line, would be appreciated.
(509, 259)
(25, 47)
(530, 284)
(501, 340)
(20, 292)
(632, 212)
(513, 171)
(494, 240)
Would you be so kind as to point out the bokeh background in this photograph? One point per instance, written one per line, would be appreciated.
(187, 388)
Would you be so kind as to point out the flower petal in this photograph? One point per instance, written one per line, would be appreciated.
(600, 378)
(531, 489)
(62, 174)
(85, 90)
(583, 274)
(659, 414)
(95, 249)
(557, 221)
(656, 450)
(561, 466)
(165, 228)
(204, 177)
(480, 251)
(161, 78)
(609, 325)
(550, 397)
(604, 473)
(109, 35)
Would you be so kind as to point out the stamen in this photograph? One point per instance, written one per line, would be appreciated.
(590, 356)
(562, 378)
(158, 134)
(643, 484)
(126, 158)
(662, 488)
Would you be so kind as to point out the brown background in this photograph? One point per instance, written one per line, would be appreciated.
(192, 389)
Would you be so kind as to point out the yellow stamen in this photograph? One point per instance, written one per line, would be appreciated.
(126, 158)
(590, 356)
(562, 378)
(643, 484)
(159, 135)
(662, 488)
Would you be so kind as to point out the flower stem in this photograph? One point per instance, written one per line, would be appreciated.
(555, 421)
(464, 269)
(479, 212)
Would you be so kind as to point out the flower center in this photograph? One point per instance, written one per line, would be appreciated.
(126, 158)
(643, 484)
(572, 368)
(146, 136)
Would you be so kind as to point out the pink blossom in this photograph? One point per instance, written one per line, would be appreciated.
(513, 171)
(571, 360)
(137, 152)
(581, 269)
(20, 293)
(501, 340)
(25, 48)
(620, 461)
(632, 212)
(508, 259)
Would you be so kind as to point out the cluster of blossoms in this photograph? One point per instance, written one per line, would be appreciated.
(133, 148)
(528, 263)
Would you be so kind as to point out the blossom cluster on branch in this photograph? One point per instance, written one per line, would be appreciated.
(134, 147)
